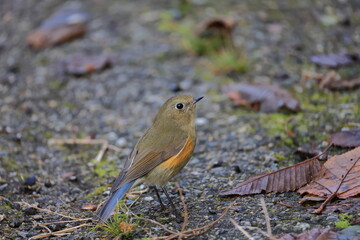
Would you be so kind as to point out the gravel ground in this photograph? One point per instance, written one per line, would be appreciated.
(118, 104)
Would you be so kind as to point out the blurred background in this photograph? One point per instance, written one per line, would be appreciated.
(276, 76)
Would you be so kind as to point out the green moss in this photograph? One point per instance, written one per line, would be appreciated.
(280, 157)
(344, 221)
(96, 192)
(218, 50)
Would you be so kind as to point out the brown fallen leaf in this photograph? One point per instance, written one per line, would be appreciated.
(349, 138)
(218, 29)
(64, 25)
(313, 234)
(331, 80)
(339, 177)
(261, 97)
(81, 63)
(336, 60)
(90, 207)
(283, 180)
(126, 227)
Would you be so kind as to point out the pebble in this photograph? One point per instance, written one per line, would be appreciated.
(73, 178)
(121, 142)
(23, 234)
(30, 181)
(49, 184)
(148, 199)
(15, 224)
(2, 187)
(201, 121)
(37, 217)
(30, 211)
(302, 226)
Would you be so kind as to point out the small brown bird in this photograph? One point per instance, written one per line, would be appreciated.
(164, 149)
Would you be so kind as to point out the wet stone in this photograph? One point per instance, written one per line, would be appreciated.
(30, 211)
(15, 224)
(30, 181)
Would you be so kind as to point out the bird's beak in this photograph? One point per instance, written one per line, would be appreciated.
(197, 99)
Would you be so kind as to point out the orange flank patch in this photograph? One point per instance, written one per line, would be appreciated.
(182, 157)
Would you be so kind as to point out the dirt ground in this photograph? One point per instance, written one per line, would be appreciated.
(38, 103)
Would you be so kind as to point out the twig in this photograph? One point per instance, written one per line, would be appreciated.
(76, 141)
(241, 229)
(156, 223)
(59, 233)
(334, 194)
(200, 230)
(186, 214)
(55, 213)
(267, 218)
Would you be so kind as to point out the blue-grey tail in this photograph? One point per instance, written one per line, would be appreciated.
(110, 204)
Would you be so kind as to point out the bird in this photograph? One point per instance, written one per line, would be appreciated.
(162, 151)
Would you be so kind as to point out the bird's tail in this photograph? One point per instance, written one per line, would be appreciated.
(110, 204)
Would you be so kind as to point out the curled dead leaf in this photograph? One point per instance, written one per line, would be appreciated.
(336, 59)
(349, 138)
(331, 177)
(331, 80)
(264, 98)
(126, 227)
(89, 207)
(64, 25)
(81, 63)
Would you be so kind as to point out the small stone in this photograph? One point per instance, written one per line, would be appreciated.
(30, 211)
(37, 217)
(149, 199)
(121, 142)
(185, 84)
(23, 234)
(212, 211)
(30, 181)
(49, 184)
(201, 121)
(15, 224)
(174, 87)
(2, 187)
(106, 193)
(73, 178)
(302, 226)
(111, 136)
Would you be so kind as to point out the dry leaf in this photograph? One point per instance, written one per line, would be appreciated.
(340, 175)
(331, 80)
(126, 227)
(313, 234)
(218, 29)
(283, 180)
(219, 24)
(350, 138)
(336, 60)
(64, 25)
(90, 207)
(80, 63)
(266, 98)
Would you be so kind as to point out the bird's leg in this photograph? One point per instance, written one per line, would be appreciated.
(177, 214)
(158, 196)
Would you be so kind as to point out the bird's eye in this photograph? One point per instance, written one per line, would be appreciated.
(179, 106)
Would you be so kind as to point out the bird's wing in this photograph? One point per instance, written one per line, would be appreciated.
(143, 159)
